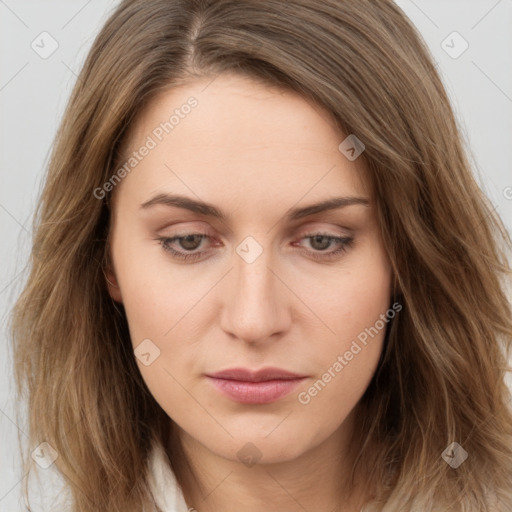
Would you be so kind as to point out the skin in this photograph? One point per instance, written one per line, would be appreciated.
(255, 152)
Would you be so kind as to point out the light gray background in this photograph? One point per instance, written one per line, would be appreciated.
(34, 91)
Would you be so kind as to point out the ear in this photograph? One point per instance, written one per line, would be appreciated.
(112, 285)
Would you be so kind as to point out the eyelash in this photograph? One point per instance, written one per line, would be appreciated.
(345, 244)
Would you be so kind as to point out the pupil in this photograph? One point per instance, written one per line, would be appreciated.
(318, 239)
(189, 239)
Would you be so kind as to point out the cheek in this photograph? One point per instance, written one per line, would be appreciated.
(325, 403)
(350, 299)
(156, 293)
(357, 309)
(345, 363)
(165, 306)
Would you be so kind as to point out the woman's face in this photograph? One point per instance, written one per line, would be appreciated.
(235, 167)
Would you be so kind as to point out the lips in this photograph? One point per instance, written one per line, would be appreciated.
(255, 387)
(264, 374)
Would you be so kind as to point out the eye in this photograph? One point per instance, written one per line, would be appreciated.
(320, 242)
(188, 242)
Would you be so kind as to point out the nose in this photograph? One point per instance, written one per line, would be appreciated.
(256, 303)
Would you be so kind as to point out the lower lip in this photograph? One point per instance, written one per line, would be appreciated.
(255, 392)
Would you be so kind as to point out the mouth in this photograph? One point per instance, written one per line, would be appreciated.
(255, 387)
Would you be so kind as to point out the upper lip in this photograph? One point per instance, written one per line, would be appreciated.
(246, 375)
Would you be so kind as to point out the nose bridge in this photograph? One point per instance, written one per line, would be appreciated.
(254, 307)
(254, 280)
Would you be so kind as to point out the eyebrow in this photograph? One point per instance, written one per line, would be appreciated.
(210, 210)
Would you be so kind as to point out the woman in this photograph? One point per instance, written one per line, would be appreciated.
(263, 274)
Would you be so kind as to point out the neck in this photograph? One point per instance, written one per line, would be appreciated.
(316, 480)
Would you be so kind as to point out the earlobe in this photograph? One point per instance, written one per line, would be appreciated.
(112, 285)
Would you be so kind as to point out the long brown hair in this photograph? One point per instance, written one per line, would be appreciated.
(441, 375)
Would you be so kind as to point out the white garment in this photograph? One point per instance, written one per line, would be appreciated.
(163, 484)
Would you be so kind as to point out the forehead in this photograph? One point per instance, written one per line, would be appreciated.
(241, 138)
